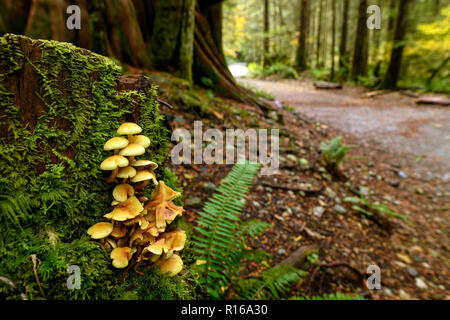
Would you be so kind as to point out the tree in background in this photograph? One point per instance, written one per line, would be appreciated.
(333, 36)
(360, 56)
(266, 32)
(392, 74)
(302, 64)
(343, 55)
(319, 34)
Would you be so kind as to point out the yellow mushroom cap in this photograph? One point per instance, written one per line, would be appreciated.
(121, 256)
(129, 128)
(115, 143)
(171, 265)
(143, 175)
(122, 191)
(128, 209)
(126, 172)
(156, 247)
(132, 150)
(114, 162)
(174, 240)
(162, 194)
(100, 230)
(144, 163)
(142, 140)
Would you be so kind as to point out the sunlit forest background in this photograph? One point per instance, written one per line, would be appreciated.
(268, 37)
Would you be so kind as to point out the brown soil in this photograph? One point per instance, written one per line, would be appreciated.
(420, 247)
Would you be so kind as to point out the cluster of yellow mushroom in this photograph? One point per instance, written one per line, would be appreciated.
(137, 225)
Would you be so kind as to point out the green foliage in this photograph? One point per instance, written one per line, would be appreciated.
(332, 296)
(277, 69)
(369, 207)
(221, 246)
(49, 199)
(320, 74)
(272, 283)
(333, 152)
(216, 238)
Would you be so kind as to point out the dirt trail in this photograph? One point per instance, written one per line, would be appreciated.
(417, 136)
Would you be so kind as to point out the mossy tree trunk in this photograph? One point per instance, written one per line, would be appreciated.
(183, 37)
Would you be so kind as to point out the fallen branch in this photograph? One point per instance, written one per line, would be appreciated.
(298, 257)
(33, 259)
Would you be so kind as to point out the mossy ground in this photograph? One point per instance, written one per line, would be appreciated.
(51, 187)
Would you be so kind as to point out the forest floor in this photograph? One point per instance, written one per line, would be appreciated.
(305, 205)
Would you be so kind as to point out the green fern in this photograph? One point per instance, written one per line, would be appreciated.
(217, 225)
(271, 283)
(221, 246)
(377, 207)
(334, 152)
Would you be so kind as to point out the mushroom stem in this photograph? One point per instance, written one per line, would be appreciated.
(116, 151)
(113, 175)
(130, 138)
(141, 185)
(124, 180)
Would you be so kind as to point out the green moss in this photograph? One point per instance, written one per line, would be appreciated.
(51, 188)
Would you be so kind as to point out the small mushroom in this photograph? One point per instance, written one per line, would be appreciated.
(128, 209)
(122, 191)
(172, 265)
(132, 150)
(156, 247)
(143, 176)
(144, 164)
(166, 212)
(115, 144)
(161, 194)
(142, 140)
(129, 128)
(100, 230)
(121, 256)
(126, 172)
(114, 163)
(174, 240)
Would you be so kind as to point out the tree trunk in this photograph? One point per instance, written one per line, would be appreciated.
(391, 78)
(319, 33)
(333, 37)
(303, 34)
(266, 32)
(343, 56)
(360, 53)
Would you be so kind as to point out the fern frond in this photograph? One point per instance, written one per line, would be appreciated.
(217, 225)
(271, 283)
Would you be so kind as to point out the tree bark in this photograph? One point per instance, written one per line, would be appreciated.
(333, 37)
(266, 32)
(319, 33)
(343, 56)
(360, 53)
(302, 64)
(391, 78)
